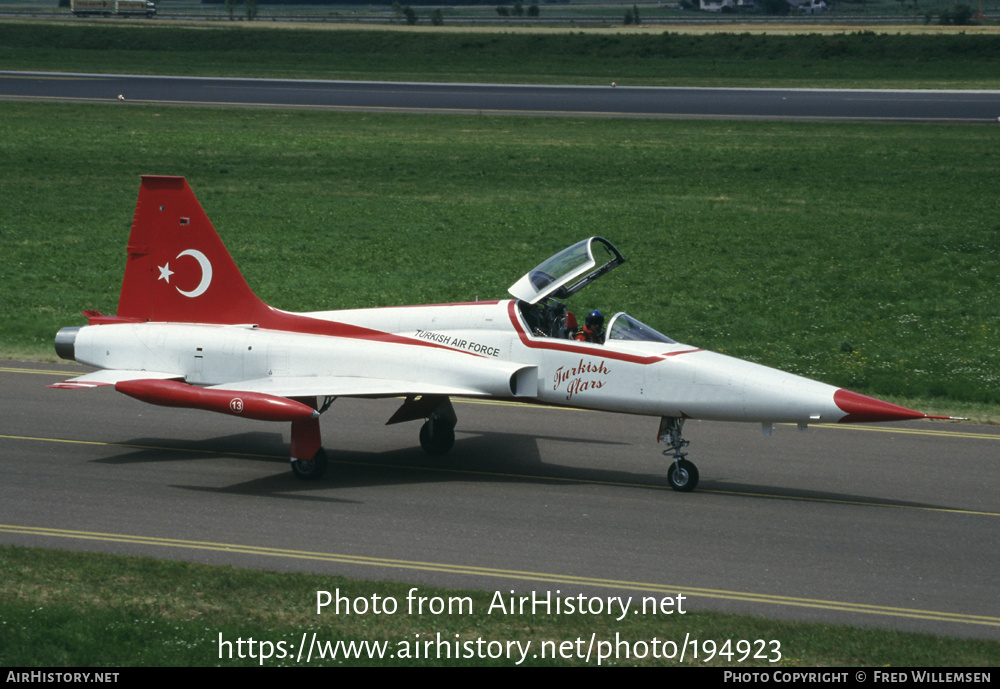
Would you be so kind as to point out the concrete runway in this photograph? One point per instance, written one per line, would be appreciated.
(512, 99)
(886, 526)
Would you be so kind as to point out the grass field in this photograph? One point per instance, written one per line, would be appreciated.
(844, 59)
(89, 610)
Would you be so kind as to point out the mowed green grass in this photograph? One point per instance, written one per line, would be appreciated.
(653, 57)
(864, 256)
(93, 610)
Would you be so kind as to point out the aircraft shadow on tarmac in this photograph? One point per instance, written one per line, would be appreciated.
(487, 457)
(251, 446)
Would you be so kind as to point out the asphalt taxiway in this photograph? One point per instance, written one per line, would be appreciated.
(890, 526)
(602, 100)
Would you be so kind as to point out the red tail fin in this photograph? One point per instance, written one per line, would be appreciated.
(178, 269)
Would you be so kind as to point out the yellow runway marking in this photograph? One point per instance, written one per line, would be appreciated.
(132, 446)
(905, 431)
(63, 374)
(859, 503)
(521, 575)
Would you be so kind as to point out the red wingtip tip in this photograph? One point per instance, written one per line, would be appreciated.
(861, 408)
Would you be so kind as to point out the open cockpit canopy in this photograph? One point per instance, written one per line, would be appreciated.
(562, 276)
(568, 272)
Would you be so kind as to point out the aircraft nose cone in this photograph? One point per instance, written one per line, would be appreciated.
(860, 408)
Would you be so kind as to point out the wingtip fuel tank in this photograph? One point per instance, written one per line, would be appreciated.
(249, 405)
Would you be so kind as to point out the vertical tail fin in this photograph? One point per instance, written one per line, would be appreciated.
(178, 269)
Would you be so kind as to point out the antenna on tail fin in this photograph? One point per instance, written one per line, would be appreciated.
(178, 269)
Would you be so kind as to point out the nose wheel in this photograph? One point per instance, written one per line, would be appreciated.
(682, 474)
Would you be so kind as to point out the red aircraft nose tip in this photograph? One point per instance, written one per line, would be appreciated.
(863, 408)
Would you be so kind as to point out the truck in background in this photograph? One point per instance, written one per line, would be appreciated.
(108, 8)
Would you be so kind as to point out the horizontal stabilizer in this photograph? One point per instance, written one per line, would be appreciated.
(99, 378)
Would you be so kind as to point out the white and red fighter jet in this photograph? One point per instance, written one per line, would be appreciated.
(189, 332)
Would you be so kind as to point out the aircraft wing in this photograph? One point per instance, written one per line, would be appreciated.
(473, 378)
(294, 386)
(348, 386)
(109, 377)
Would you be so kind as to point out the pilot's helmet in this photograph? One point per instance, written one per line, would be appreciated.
(596, 319)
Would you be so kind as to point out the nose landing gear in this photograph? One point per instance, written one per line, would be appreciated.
(682, 474)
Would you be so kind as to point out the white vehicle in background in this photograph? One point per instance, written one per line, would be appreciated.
(108, 8)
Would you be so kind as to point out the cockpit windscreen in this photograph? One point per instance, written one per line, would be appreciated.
(624, 327)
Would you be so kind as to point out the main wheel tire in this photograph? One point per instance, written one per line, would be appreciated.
(310, 469)
(682, 476)
(437, 437)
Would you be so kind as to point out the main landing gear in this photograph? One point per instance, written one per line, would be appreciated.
(682, 474)
(310, 469)
(309, 459)
(437, 435)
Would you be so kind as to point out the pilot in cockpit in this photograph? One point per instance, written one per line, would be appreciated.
(593, 329)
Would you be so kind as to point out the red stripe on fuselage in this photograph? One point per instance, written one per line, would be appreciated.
(560, 345)
(456, 303)
(307, 325)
